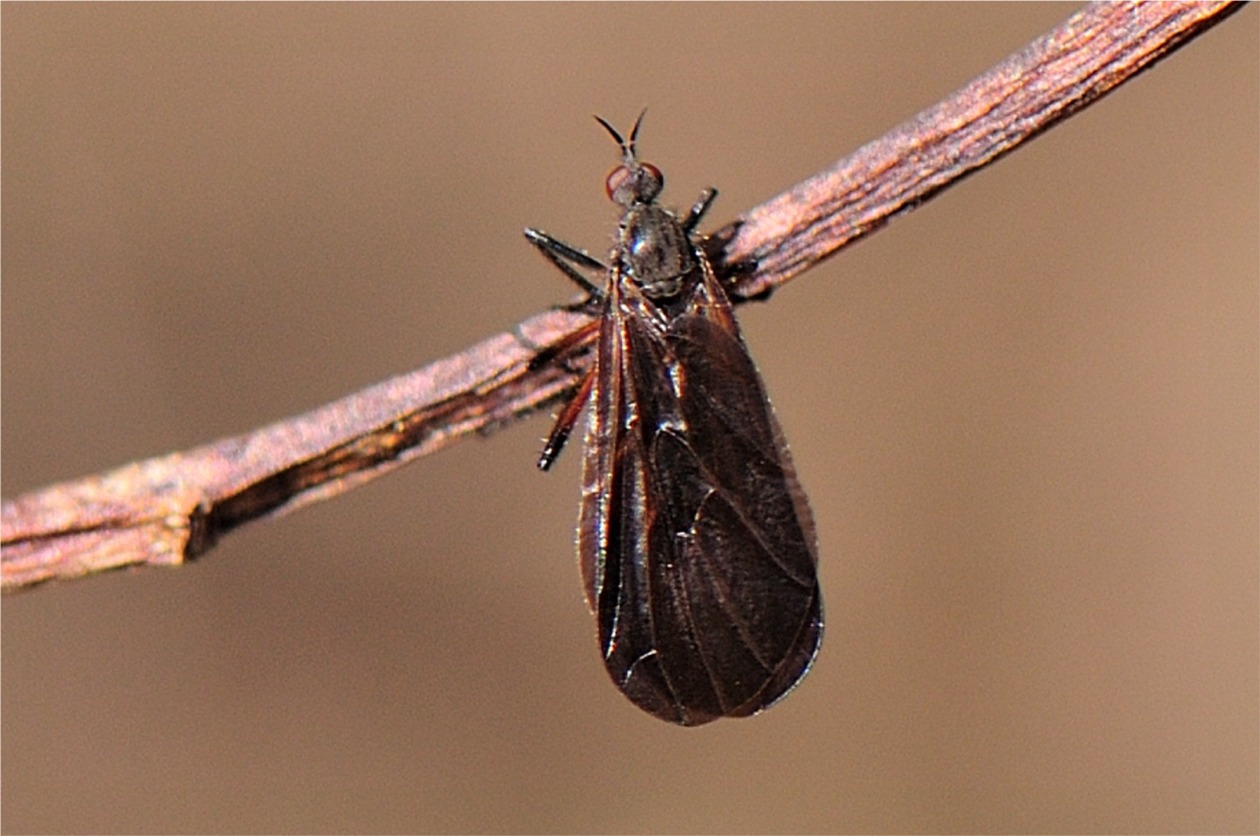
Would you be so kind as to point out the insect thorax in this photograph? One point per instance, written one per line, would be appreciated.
(655, 251)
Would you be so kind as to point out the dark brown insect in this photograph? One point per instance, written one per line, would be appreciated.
(695, 539)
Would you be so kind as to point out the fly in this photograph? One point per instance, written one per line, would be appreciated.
(695, 539)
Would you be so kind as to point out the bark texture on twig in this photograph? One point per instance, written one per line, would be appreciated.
(167, 510)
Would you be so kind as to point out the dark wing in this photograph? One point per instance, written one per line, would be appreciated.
(697, 544)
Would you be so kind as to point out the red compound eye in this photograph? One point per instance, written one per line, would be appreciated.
(654, 175)
(618, 181)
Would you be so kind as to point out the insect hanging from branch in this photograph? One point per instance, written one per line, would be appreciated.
(695, 539)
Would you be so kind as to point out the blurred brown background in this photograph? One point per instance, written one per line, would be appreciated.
(1026, 415)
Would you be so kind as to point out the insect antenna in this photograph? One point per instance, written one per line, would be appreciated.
(627, 146)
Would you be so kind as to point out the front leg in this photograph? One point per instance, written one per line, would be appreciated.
(561, 254)
(701, 206)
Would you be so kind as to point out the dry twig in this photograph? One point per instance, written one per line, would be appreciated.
(170, 509)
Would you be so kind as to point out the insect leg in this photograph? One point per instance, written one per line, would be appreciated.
(564, 423)
(572, 343)
(701, 206)
(561, 254)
